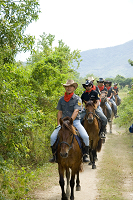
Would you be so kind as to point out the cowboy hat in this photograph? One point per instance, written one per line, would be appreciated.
(71, 83)
(88, 82)
(100, 80)
(90, 78)
(115, 83)
(107, 82)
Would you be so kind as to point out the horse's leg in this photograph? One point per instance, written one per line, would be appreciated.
(91, 157)
(110, 126)
(68, 183)
(94, 155)
(72, 183)
(62, 182)
(78, 187)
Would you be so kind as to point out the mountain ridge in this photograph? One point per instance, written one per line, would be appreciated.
(107, 62)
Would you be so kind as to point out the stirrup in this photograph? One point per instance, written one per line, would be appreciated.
(102, 135)
(109, 120)
(85, 158)
(53, 160)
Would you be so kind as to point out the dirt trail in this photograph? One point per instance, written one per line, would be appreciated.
(88, 180)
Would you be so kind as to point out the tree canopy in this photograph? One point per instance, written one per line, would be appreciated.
(15, 16)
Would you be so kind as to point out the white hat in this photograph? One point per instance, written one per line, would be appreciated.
(90, 78)
(72, 83)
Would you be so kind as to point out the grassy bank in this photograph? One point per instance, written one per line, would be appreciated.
(116, 172)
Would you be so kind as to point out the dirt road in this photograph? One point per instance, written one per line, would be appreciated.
(88, 180)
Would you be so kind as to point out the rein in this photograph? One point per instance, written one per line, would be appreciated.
(90, 113)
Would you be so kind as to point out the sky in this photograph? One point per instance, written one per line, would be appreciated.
(84, 24)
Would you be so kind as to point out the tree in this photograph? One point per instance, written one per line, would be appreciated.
(15, 16)
(130, 62)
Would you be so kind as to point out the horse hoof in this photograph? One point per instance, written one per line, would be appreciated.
(93, 166)
(64, 197)
(90, 163)
(78, 188)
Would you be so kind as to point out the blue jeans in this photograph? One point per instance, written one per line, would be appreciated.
(102, 116)
(80, 128)
(108, 108)
(114, 106)
(118, 100)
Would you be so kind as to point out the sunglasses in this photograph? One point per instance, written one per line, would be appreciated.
(88, 85)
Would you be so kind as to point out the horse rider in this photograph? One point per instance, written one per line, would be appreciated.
(90, 78)
(110, 96)
(91, 94)
(116, 89)
(69, 105)
(102, 88)
(98, 91)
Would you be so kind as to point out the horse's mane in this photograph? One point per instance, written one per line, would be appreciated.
(89, 103)
(67, 125)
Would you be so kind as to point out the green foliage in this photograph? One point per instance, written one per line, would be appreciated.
(121, 80)
(14, 180)
(15, 17)
(28, 100)
(130, 62)
(126, 110)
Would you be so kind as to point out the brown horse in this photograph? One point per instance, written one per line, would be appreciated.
(69, 156)
(91, 125)
(104, 99)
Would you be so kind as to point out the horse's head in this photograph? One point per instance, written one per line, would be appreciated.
(90, 107)
(66, 136)
(103, 97)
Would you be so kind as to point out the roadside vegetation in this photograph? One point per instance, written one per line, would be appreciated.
(116, 172)
(116, 167)
(29, 93)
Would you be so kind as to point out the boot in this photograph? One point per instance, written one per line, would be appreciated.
(109, 120)
(85, 153)
(116, 116)
(102, 132)
(53, 160)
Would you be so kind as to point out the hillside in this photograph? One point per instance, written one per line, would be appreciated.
(108, 62)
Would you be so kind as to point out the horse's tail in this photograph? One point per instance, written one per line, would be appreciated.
(99, 145)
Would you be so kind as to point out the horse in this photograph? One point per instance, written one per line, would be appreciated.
(104, 99)
(92, 127)
(69, 156)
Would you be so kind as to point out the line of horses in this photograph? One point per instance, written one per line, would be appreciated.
(69, 153)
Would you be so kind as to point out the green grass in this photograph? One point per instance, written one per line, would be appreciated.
(116, 167)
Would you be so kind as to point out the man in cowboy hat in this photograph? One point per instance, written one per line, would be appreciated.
(90, 78)
(70, 105)
(91, 94)
(103, 89)
(110, 96)
(116, 89)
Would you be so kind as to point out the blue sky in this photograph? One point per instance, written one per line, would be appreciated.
(86, 24)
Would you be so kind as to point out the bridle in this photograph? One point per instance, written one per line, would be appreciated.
(88, 119)
(70, 145)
